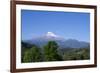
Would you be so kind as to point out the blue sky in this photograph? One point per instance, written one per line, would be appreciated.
(70, 25)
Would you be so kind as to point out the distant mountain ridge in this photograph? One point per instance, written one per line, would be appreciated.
(62, 42)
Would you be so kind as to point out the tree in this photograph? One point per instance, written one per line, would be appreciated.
(24, 48)
(32, 55)
(36, 54)
(27, 57)
(50, 52)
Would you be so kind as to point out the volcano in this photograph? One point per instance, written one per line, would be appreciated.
(62, 42)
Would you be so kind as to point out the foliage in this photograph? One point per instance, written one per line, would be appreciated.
(36, 54)
(50, 52)
(32, 55)
(78, 54)
(27, 56)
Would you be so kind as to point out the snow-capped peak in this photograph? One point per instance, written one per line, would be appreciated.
(51, 34)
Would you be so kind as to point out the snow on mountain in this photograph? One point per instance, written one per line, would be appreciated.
(62, 42)
(51, 34)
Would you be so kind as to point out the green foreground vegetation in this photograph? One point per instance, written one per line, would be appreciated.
(50, 52)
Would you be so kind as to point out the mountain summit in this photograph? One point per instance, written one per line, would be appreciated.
(51, 34)
(62, 42)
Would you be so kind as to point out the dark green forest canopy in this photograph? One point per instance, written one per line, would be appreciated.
(51, 52)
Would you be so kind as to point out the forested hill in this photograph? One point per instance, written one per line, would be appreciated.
(51, 52)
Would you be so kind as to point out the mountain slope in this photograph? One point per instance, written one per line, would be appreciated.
(62, 42)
